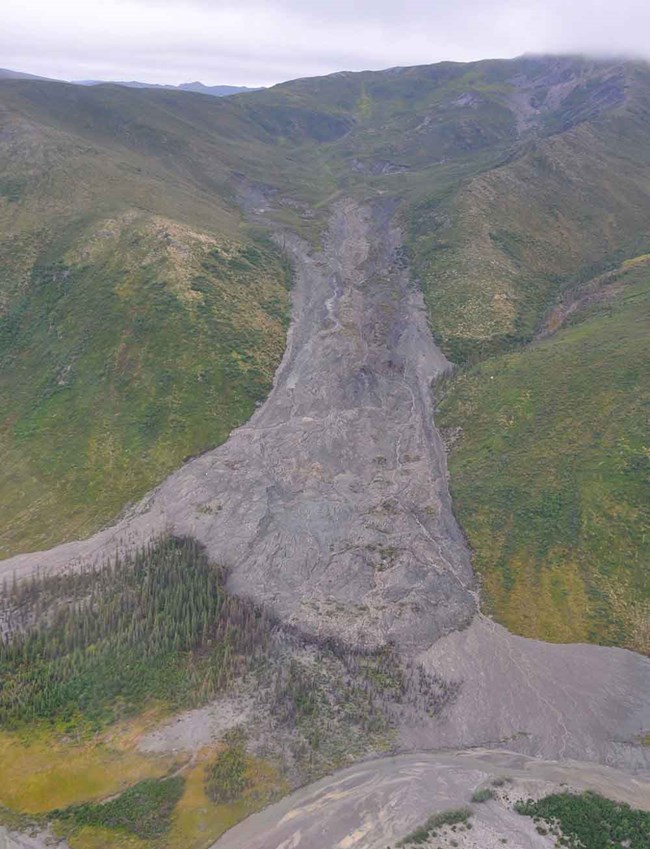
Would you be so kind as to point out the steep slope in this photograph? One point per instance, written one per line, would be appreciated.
(572, 200)
(516, 180)
(562, 194)
(141, 321)
(550, 472)
(330, 506)
(8, 74)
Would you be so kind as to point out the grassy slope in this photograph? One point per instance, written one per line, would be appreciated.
(551, 476)
(140, 321)
(492, 255)
(121, 242)
(550, 480)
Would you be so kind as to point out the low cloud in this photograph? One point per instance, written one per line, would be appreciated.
(259, 42)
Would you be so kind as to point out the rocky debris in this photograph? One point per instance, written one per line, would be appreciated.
(553, 701)
(335, 516)
(572, 92)
(38, 840)
(192, 730)
(335, 508)
(467, 99)
(377, 167)
(312, 706)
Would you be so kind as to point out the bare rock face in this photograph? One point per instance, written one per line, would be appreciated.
(331, 504)
(337, 489)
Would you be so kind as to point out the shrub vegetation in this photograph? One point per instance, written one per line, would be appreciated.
(453, 818)
(590, 820)
(144, 809)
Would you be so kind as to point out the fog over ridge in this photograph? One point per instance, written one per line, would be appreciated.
(261, 42)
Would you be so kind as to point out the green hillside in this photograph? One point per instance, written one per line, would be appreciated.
(551, 476)
(493, 255)
(141, 320)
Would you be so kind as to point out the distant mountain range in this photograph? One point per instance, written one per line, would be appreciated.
(196, 87)
(6, 74)
(200, 88)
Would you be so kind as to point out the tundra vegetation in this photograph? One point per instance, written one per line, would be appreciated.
(226, 777)
(144, 809)
(550, 477)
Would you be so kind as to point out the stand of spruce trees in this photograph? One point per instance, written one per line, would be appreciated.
(81, 649)
(100, 643)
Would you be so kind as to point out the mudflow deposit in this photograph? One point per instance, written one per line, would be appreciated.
(331, 508)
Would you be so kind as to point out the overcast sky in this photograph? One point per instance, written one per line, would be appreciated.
(259, 42)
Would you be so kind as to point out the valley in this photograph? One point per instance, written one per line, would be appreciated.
(326, 502)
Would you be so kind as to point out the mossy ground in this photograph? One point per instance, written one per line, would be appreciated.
(198, 820)
(41, 770)
(46, 772)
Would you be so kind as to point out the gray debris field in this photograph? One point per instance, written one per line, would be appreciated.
(331, 508)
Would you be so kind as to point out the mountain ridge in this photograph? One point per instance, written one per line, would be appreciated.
(196, 86)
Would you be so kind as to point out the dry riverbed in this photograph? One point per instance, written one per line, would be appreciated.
(375, 804)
